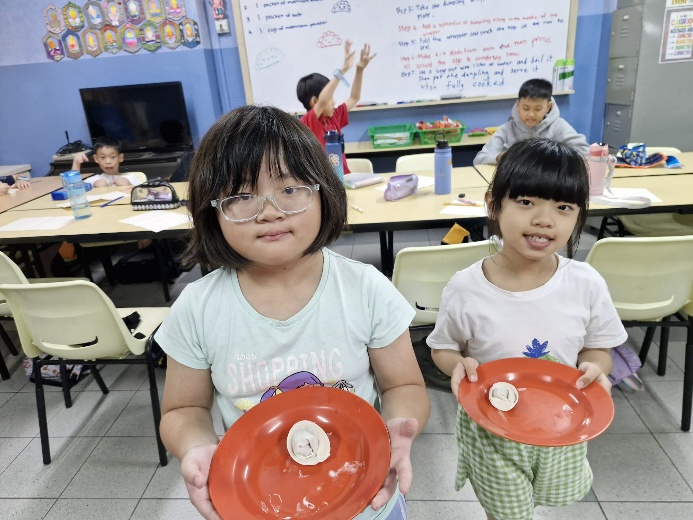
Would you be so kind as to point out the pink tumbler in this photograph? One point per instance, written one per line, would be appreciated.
(599, 167)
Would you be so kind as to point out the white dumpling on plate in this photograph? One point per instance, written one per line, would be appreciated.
(503, 396)
(308, 443)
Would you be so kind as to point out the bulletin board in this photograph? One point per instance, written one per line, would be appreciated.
(427, 50)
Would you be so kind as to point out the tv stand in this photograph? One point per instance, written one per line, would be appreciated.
(153, 164)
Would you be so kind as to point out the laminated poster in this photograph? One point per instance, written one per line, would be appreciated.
(170, 34)
(72, 44)
(54, 19)
(175, 9)
(92, 42)
(74, 19)
(111, 39)
(93, 13)
(54, 47)
(134, 11)
(189, 33)
(98, 26)
(130, 38)
(151, 39)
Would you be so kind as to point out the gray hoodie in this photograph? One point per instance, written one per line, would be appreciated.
(553, 126)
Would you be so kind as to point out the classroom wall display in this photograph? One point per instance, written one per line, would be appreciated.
(427, 50)
(74, 30)
(677, 32)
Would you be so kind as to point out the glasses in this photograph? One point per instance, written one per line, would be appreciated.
(246, 207)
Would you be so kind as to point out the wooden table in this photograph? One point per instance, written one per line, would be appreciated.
(419, 211)
(685, 158)
(47, 202)
(40, 186)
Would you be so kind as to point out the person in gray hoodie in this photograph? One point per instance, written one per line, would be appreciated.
(535, 114)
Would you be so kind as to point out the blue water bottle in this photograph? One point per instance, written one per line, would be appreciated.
(77, 193)
(333, 147)
(442, 166)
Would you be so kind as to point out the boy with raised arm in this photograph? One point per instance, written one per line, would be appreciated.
(108, 155)
(316, 93)
(534, 115)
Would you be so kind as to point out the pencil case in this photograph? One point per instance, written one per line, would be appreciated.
(400, 186)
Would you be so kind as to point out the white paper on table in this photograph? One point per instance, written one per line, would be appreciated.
(622, 193)
(466, 211)
(157, 220)
(424, 182)
(36, 223)
(111, 195)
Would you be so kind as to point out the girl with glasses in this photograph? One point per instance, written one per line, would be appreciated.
(280, 310)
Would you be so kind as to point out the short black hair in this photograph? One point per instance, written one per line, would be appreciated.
(541, 168)
(107, 142)
(230, 158)
(309, 86)
(536, 89)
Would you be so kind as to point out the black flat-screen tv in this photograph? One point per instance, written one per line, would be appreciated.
(145, 118)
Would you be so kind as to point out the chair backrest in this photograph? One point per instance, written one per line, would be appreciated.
(664, 150)
(360, 165)
(648, 277)
(421, 274)
(415, 163)
(9, 273)
(63, 318)
(140, 176)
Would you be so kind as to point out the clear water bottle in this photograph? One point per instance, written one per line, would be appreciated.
(333, 147)
(77, 193)
(442, 166)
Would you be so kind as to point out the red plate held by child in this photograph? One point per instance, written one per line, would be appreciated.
(253, 476)
(550, 411)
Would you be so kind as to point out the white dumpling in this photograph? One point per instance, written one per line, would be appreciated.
(308, 443)
(503, 396)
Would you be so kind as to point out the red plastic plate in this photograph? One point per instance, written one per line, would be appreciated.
(550, 411)
(253, 476)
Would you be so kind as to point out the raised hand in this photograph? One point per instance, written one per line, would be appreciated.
(366, 57)
(348, 56)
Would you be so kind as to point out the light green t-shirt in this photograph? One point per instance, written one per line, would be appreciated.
(252, 357)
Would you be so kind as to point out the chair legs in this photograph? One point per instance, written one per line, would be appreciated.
(4, 372)
(156, 406)
(41, 401)
(41, 409)
(688, 380)
(8, 341)
(604, 228)
(683, 321)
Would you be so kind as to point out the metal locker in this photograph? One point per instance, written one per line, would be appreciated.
(620, 83)
(617, 124)
(626, 30)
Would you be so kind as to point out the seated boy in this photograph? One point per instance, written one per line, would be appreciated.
(108, 156)
(316, 92)
(7, 181)
(535, 114)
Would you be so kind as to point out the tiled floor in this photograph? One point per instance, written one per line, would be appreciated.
(105, 463)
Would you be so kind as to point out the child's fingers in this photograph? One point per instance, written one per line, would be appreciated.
(465, 368)
(592, 373)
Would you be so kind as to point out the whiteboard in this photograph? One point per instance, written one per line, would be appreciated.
(427, 50)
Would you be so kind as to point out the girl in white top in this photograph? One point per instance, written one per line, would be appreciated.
(281, 311)
(527, 301)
